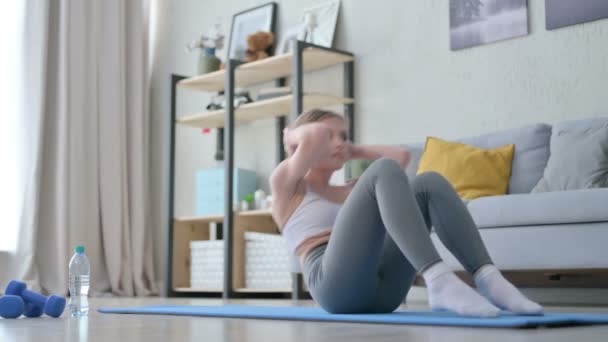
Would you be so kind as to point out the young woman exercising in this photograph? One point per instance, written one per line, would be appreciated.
(361, 244)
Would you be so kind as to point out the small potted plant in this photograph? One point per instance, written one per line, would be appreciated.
(208, 62)
(247, 203)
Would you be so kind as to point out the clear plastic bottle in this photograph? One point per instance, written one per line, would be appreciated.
(79, 273)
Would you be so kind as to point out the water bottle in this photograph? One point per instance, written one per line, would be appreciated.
(79, 272)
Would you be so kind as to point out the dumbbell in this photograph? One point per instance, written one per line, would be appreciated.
(11, 306)
(31, 310)
(35, 303)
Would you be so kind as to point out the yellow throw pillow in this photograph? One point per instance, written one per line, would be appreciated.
(474, 172)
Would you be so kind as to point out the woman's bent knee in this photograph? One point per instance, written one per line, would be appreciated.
(385, 166)
(431, 177)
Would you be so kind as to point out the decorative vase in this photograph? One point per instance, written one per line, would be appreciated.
(208, 62)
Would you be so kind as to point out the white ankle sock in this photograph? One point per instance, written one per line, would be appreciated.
(492, 285)
(447, 292)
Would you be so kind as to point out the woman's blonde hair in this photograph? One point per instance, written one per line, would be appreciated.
(315, 115)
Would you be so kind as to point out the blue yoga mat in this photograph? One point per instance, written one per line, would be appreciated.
(505, 320)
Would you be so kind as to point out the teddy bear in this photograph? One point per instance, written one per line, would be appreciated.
(257, 45)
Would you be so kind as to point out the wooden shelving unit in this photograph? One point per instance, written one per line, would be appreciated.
(269, 69)
(199, 219)
(245, 290)
(219, 219)
(186, 229)
(231, 227)
(260, 110)
(197, 290)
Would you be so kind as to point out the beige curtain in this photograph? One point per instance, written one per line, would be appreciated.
(20, 263)
(93, 178)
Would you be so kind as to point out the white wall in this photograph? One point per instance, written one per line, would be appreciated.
(408, 82)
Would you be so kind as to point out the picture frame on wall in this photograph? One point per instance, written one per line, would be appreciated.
(561, 13)
(260, 18)
(479, 22)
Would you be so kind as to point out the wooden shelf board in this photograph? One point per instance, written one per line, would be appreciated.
(259, 110)
(248, 290)
(200, 219)
(267, 69)
(241, 290)
(220, 218)
(190, 289)
(263, 212)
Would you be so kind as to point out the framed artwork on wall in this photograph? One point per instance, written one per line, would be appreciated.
(560, 13)
(478, 22)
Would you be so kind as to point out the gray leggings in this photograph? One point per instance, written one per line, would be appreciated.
(380, 240)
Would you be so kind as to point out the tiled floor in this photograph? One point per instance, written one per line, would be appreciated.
(114, 328)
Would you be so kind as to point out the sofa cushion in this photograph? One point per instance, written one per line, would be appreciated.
(558, 207)
(473, 172)
(411, 168)
(579, 124)
(415, 154)
(531, 153)
(578, 160)
(529, 161)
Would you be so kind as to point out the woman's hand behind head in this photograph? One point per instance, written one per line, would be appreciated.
(289, 147)
(292, 137)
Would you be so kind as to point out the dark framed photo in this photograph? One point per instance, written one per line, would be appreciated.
(560, 13)
(261, 18)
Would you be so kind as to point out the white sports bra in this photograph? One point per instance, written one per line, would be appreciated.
(313, 216)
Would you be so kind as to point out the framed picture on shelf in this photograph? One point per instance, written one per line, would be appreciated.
(320, 23)
(261, 18)
(297, 32)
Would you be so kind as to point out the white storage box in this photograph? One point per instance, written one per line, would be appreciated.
(207, 264)
(267, 263)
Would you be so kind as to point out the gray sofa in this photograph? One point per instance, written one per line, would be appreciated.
(556, 233)
(538, 239)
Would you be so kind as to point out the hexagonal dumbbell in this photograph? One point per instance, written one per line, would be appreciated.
(35, 303)
(11, 306)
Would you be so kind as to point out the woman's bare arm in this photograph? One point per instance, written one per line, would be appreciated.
(306, 145)
(373, 152)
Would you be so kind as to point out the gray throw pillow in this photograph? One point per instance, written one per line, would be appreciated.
(578, 160)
